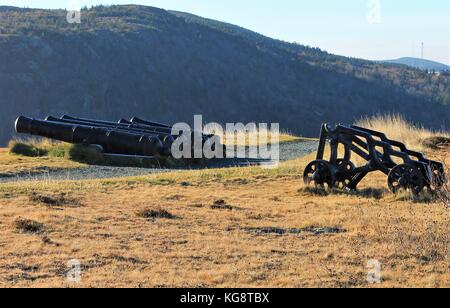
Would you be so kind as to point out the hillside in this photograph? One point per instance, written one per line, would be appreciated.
(421, 64)
(123, 61)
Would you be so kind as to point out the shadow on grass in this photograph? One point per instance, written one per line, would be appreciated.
(369, 193)
(425, 197)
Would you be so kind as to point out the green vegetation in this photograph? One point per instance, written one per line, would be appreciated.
(84, 154)
(45, 148)
(30, 22)
(77, 153)
(26, 149)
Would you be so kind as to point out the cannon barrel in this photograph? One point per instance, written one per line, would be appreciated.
(134, 126)
(165, 130)
(125, 128)
(124, 121)
(166, 139)
(137, 120)
(112, 140)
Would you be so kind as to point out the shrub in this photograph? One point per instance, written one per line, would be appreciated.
(26, 149)
(59, 150)
(29, 226)
(153, 214)
(85, 154)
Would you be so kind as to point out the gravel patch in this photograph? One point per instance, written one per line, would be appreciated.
(85, 173)
(288, 151)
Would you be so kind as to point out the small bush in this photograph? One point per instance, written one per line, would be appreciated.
(54, 200)
(154, 214)
(79, 153)
(29, 226)
(436, 142)
(59, 150)
(221, 205)
(84, 154)
(26, 149)
(39, 148)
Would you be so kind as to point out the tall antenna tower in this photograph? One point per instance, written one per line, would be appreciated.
(423, 47)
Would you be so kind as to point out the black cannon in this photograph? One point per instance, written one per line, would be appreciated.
(111, 140)
(120, 124)
(405, 169)
(135, 137)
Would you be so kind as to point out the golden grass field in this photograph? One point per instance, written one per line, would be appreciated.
(207, 235)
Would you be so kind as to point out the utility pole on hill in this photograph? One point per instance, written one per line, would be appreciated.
(423, 46)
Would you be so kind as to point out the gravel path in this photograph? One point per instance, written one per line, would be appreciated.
(288, 151)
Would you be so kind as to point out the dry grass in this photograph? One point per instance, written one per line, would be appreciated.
(37, 155)
(11, 164)
(252, 138)
(397, 128)
(122, 241)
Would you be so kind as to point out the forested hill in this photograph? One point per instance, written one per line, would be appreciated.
(135, 60)
(421, 64)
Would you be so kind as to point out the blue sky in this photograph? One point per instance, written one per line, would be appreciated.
(371, 29)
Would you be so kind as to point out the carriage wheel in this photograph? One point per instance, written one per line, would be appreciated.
(320, 173)
(439, 177)
(344, 173)
(406, 176)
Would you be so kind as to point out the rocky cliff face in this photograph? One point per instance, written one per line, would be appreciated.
(130, 60)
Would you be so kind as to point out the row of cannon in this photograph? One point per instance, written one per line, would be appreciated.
(135, 137)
